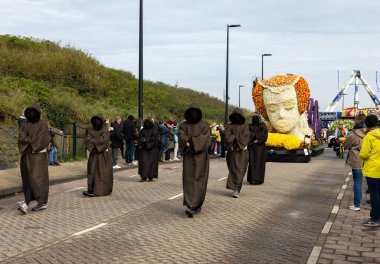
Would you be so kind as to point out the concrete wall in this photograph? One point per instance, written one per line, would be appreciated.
(9, 155)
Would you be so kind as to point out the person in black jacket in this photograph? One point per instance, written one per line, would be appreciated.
(116, 136)
(129, 131)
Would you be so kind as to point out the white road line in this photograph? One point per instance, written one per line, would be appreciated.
(350, 173)
(222, 179)
(344, 187)
(340, 196)
(177, 167)
(326, 228)
(79, 188)
(90, 229)
(335, 209)
(133, 175)
(347, 179)
(314, 255)
(175, 196)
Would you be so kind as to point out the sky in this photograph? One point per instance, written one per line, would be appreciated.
(185, 41)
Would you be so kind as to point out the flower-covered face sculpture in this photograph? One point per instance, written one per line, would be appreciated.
(282, 109)
(282, 101)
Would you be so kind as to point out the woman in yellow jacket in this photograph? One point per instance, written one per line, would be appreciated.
(370, 154)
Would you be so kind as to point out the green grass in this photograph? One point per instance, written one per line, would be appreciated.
(71, 85)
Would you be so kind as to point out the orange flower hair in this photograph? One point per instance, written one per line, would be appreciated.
(301, 87)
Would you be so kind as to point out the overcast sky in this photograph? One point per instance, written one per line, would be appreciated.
(185, 40)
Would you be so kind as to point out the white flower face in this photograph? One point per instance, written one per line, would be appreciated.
(282, 109)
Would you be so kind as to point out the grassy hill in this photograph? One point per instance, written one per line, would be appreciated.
(71, 85)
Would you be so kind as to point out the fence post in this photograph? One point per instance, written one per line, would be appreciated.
(74, 140)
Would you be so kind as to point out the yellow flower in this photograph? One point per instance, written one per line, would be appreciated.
(286, 141)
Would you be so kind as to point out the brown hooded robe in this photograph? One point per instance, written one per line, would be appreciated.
(99, 165)
(257, 152)
(148, 151)
(34, 137)
(237, 139)
(196, 161)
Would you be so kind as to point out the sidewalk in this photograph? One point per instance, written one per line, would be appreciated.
(10, 179)
(347, 240)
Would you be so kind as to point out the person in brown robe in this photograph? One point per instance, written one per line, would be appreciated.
(34, 137)
(257, 150)
(237, 139)
(194, 141)
(148, 151)
(99, 165)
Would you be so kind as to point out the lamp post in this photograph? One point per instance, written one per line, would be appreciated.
(141, 72)
(239, 93)
(262, 64)
(228, 39)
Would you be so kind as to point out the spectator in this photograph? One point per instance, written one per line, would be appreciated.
(52, 148)
(116, 140)
(222, 141)
(129, 131)
(162, 132)
(139, 127)
(339, 133)
(213, 138)
(176, 136)
(353, 143)
(169, 140)
(370, 154)
(218, 141)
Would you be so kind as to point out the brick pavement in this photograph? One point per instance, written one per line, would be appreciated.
(278, 222)
(348, 241)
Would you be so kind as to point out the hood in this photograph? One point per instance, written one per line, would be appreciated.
(360, 132)
(193, 114)
(256, 119)
(375, 133)
(97, 122)
(33, 113)
(237, 117)
(148, 124)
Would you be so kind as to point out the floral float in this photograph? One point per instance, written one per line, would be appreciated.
(282, 100)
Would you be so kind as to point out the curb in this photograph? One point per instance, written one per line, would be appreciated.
(319, 243)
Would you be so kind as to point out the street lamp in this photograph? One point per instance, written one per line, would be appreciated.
(262, 64)
(239, 93)
(141, 73)
(228, 39)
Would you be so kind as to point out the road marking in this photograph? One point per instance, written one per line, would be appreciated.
(326, 228)
(133, 175)
(222, 179)
(177, 167)
(340, 196)
(350, 173)
(347, 179)
(335, 209)
(79, 188)
(89, 229)
(175, 196)
(314, 255)
(344, 187)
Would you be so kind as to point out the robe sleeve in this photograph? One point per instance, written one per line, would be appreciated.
(36, 135)
(98, 140)
(201, 142)
(238, 141)
(183, 137)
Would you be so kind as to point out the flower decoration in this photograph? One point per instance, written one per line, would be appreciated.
(288, 142)
(278, 82)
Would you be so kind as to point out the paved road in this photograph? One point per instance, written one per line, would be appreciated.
(278, 222)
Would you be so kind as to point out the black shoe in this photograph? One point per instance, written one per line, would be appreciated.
(57, 164)
(143, 180)
(150, 179)
(189, 213)
(39, 207)
(86, 193)
(52, 164)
